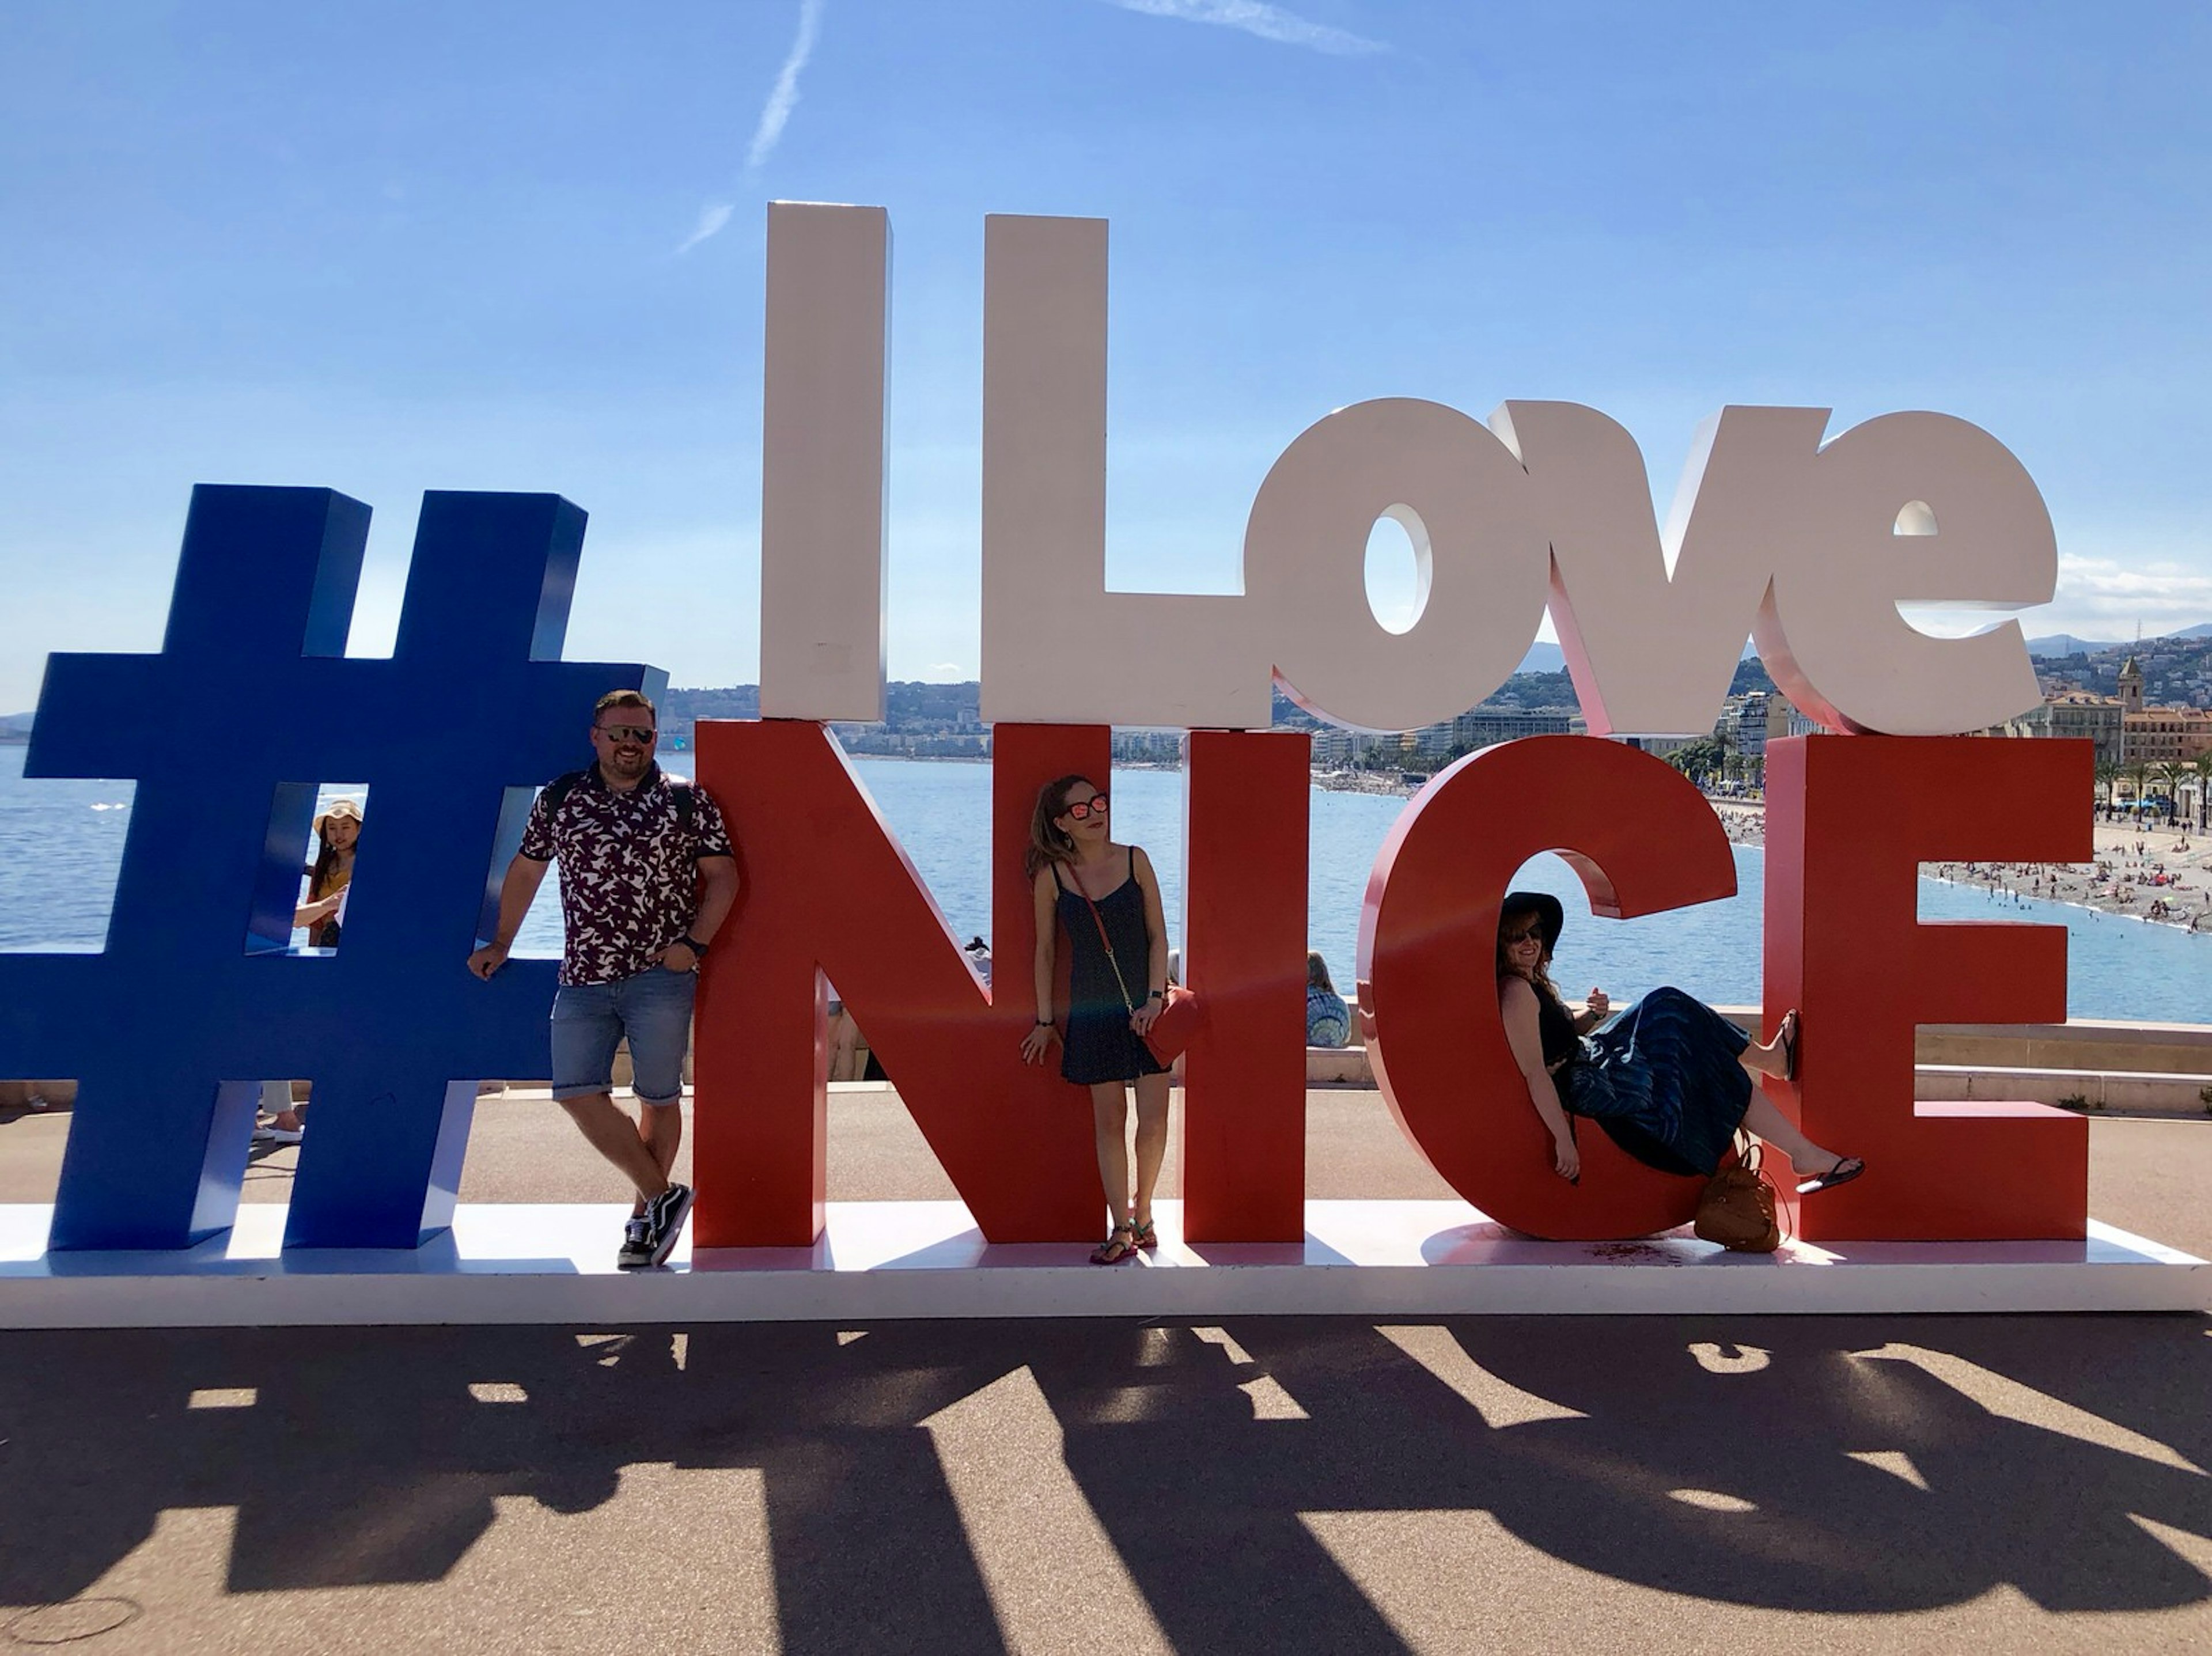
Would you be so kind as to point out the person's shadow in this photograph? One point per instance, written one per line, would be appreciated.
(1768, 1462)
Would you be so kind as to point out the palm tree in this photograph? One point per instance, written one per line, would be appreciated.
(1697, 760)
(2201, 768)
(2136, 774)
(2108, 775)
(2167, 776)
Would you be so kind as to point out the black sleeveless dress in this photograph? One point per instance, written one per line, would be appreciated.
(1662, 1078)
(1100, 1045)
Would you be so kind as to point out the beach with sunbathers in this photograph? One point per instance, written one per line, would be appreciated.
(2161, 875)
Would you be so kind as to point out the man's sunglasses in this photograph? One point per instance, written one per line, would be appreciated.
(1094, 806)
(639, 733)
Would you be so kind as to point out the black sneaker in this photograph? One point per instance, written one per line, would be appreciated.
(637, 1244)
(665, 1213)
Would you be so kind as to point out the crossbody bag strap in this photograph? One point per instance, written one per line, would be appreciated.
(1099, 920)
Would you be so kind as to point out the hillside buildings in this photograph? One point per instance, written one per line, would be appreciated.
(2126, 730)
(2076, 713)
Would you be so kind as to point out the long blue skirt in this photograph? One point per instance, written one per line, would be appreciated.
(1663, 1082)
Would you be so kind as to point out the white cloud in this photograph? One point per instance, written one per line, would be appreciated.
(951, 670)
(711, 219)
(2097, 598)
(1254, 17)
(784, 95)
(2104, 595)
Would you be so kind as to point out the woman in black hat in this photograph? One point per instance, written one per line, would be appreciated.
(1670, 1080)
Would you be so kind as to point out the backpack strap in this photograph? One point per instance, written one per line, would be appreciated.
(558, 790)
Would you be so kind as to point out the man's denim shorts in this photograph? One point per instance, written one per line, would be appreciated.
(653, 1008)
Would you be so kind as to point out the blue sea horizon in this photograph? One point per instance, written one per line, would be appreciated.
(61, 844)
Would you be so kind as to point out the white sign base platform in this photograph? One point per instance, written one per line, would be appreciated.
(554, 1264)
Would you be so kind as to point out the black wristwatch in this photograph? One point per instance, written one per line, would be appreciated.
(694, 945)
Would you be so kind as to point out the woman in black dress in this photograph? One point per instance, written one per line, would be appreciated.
(1105, 897)
(1670, 1080)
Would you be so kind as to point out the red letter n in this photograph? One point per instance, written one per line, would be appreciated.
(828, 890)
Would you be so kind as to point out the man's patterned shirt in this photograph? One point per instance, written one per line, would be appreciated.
(630, 880)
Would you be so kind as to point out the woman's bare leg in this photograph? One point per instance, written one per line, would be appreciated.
(1109, 1121)
(1768, 1122)
(1769, 1059)
(1152, 1140)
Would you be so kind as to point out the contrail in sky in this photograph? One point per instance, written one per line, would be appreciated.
(785, 93)
(774, 114)
(711, 220)
(1269, 23)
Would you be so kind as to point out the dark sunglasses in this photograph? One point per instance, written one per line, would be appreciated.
(639, 733)
(1528, 934)
(1094, 806)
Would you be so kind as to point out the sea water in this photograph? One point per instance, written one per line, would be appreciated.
(60, 844)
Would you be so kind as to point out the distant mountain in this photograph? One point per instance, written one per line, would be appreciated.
(2065, 644)
(1543, 657)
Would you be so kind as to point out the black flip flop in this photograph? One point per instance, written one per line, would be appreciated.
(1847, 1168)
(1788, 1036)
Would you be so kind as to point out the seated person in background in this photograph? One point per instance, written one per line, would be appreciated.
(979, 957)
(1328, 1021)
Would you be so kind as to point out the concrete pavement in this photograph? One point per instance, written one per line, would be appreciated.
(1653, 1485)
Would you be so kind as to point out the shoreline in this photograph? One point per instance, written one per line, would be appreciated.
(2159, 876)
(1362, 782)
(2155, 876)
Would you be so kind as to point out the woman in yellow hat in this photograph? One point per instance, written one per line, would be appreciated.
(331, 872)
(338, 829)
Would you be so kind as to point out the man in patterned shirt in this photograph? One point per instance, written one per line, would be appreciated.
(647, 876)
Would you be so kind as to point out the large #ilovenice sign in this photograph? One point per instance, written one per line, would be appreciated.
(1808, 545)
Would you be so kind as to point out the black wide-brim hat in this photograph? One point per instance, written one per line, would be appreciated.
(1550, 915)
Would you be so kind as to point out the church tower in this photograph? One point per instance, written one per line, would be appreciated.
(2131, 687)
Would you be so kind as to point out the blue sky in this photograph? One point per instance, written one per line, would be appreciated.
(393, 246)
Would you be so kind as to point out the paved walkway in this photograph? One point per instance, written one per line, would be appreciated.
(1645, 1484)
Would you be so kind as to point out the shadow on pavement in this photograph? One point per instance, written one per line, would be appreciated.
(1709, 1458)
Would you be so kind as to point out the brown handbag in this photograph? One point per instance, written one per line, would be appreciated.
(1738, 1209)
